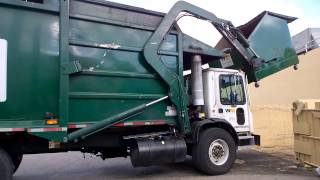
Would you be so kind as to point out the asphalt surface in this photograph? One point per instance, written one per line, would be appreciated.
(250, 164)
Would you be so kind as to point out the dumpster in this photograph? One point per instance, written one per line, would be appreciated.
(275, 53)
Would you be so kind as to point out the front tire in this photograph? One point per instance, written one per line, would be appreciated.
(6, 166)
(215, 152)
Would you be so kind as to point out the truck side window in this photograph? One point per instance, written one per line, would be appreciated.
(231, 90)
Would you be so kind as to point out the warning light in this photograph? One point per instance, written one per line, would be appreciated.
(52, 121)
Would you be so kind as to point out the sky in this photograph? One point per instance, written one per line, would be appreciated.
(238, 12)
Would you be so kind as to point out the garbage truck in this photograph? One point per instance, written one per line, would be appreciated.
(108, 79)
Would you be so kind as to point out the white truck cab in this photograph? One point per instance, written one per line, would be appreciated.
(226, 97)
(222, 94)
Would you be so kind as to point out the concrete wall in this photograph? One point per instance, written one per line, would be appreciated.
(271, 103)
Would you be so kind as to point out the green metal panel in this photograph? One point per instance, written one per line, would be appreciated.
(277, 49)
(64, 62)
(278, 40)
(33, 66)
(115, 76)
(111, 120)
(82, 69)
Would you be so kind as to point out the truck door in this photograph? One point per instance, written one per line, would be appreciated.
(232, 102)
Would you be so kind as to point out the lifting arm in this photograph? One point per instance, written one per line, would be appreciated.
(177, 93)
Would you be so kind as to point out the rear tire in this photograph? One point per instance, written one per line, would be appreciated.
(215, 152)
(6, 166)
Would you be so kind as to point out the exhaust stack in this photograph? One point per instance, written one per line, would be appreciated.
(196, 81)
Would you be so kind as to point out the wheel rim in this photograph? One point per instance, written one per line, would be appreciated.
(219, 152)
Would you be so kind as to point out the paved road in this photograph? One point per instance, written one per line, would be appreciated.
(70, 166)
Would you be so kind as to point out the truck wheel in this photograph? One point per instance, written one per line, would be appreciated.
(16, 160)
(6, 170)
(215, 152)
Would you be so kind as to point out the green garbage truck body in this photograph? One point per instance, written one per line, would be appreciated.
(108, 79)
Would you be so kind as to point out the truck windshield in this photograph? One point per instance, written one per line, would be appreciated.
(231, 90)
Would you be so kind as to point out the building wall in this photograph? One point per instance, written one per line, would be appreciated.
(271, 103)
(274, 125)
(288, 85)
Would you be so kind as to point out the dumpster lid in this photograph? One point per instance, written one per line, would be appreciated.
(247, 28)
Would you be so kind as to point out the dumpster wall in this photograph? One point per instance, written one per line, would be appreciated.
(306, 126)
